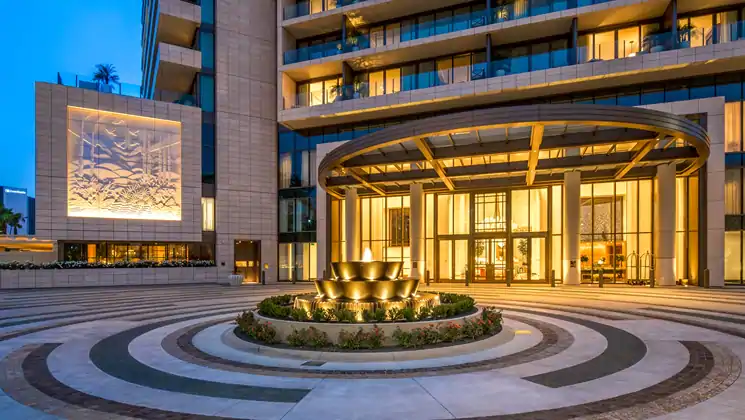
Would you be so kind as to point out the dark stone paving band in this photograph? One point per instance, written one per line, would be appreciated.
(111, 355)
(555, 340)
(700, 364)
(623, 351)
(693, 384)
(82, 405)
(150, 313)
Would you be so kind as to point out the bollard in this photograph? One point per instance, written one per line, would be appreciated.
(509, 278)
(426, 278)
(651, 278)
(294, 276)
(324, 274)
(600, 278)
(553, 278)
(263, 277)
(467, 282)
(707, 280)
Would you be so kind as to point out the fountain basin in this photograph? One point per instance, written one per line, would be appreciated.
(366, 270)
(367, 290)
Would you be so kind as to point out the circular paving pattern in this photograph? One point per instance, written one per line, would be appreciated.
(564, 353)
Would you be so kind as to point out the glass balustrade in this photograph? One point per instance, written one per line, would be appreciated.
(511, 62)
(439, 23)
(123, 89)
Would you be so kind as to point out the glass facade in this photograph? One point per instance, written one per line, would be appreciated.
(517, 234)
(112, 252)
(297, 261)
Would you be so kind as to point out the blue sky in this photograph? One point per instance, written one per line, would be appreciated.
(69, 36)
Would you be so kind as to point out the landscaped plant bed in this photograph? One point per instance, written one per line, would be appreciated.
(71, 265)
(334, 336)
(452, 305)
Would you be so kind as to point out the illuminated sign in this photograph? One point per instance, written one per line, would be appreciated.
(9, 191)
(122, 166)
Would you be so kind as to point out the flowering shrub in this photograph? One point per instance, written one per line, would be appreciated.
(450, 332)
(311, 337)
(352, 340)
(68, 265)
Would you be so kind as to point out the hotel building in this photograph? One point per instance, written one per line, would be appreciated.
(476, 141)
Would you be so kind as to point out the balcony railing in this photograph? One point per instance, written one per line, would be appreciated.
(443, 25)
(504, 66)
(328, 49)
(124, 89)
(305, 8)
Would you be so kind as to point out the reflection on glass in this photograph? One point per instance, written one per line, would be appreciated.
(520, 262)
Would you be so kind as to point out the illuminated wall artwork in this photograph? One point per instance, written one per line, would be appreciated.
(122, 166)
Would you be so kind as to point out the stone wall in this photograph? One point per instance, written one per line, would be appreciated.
(246, 143)
(21, 279)
(52, 222)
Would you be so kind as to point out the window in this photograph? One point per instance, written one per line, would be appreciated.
(285, 170)
(628, 42)
(208, 214)
(398, 223)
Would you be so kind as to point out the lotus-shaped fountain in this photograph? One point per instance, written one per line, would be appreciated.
(367, 285)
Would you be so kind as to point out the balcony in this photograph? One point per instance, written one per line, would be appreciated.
(443, 23)
(176, 67)
(690, 53)
(178, 21)
(123, 89)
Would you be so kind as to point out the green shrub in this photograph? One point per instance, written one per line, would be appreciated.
(352, 340)
(403, 338)
(492, 318)
(473, 329)
(426, 335)
(377, 315)
(245, 320)
(299, 314)
(450, 332)
(298, 338)
(408, 314)
(342, 315)
(317, 339)
(375, 338)
(395, 314)
(263, 332)
(276, 306)
(425, 312)
(319, 315)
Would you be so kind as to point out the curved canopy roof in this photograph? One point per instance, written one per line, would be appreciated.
(523, 145)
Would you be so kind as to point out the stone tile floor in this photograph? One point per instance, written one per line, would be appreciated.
(161, 352)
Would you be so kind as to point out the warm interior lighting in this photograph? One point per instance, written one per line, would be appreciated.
(367, 256)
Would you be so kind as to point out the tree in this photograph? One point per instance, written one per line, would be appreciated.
(106, 74)
(5, 216)
(15, 222)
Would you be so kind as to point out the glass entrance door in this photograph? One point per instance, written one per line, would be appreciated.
(490, 260)
(529, 258)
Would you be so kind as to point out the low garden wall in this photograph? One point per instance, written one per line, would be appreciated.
(19, 279)
(332, 329)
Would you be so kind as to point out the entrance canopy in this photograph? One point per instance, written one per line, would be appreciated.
(525, 145)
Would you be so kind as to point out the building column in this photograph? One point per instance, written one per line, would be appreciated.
(572, 207)
(664, 225)
(351, 225)
(416, 230)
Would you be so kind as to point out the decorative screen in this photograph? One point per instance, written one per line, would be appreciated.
(122, 166)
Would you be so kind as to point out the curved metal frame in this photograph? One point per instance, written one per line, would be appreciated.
(655, 122)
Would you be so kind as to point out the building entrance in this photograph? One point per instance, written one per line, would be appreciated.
(247, 256)
(490, 260)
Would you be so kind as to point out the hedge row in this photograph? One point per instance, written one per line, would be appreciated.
(69, 265)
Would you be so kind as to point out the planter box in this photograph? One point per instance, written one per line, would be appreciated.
(85, 277)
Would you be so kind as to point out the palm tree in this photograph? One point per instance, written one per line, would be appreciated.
(15, 222)
(106, 74)
(5, 215)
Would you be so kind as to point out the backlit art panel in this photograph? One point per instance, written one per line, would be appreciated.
(122, 166)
